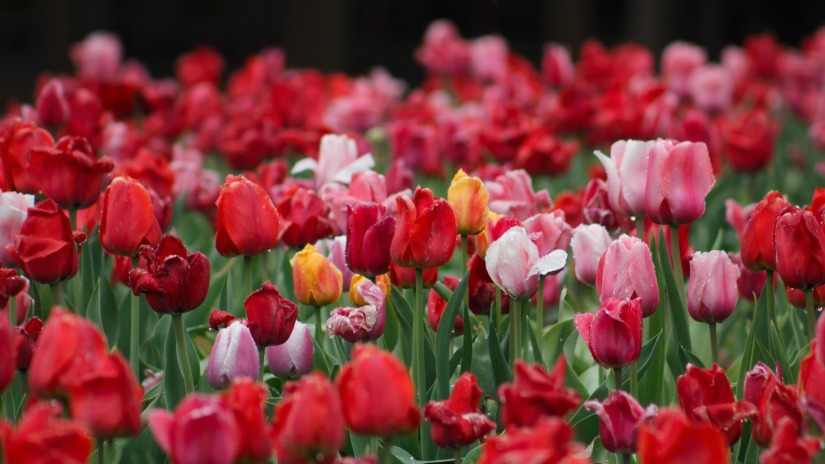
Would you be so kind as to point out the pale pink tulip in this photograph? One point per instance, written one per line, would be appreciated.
(712, 291)
(679, 177)
(626, 271)
(589, 243)
(627, 171)
(514, 264)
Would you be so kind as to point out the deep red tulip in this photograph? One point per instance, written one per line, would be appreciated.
(172, 279)
(202, 64)
(457, 422)
(8, 361)
(304, 218)
(820, 335)
(15, 144)
(308, 423)
(52, 106)
(404, 277)
(788, 446)
(128, 218)
(377, 394)
(270, 316)
(800, 249)
(247, 219)
(748, 139)
(535, 394)
(43, 436)
(811, 378)
(774, 402)
(11, 285)
(750, 283)
(550, 441)
(758, 248)
(482, 290)
(425, 235)
(680, 199)
(152, 171)
(620, 416)
(672, 438)
(25, 342)
(247, 399)
(705, 395)
(614, 333)
(46, 248)
(436, 305)
(369, 235)
(69, 172)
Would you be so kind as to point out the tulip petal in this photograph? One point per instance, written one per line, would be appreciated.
(551, 263)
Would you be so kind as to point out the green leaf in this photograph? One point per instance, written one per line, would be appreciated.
(535, 345)
(651, 389)
(686, 356)
(472, 456)
(443, 337)
(554, 338)
(501, 371)
(676, 300)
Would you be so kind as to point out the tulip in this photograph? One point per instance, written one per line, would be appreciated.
(482, 292)
(800, 249)
(369, 235)
(8, 362)
(589, 243)
(247, 400)
(679, 61)
(316, 280)
(614, 333)
(436, 305)
(11, 285)
(202, 64)
(712, 291)
(626, 271)
(69, 172)
(820, 335)
(25, 342)
(672, 438)
(750, 283)
(789, 446)
(457, 422)
(52, 106)
(711, 89)
(128, 218)
(271, 317)
(152, 170)
(304, 218)
(774, 402)
(758, 247)
(536, 394)
(43, 435)
(620, 416)
(361, 324)
(13, 211)
(234, 355)
(425, 235)
(247, 222)
(811, 377)
(45, 249)
(357, 296)
(294, 357)
(173, 280)
(514, 264)
(337, 161)
(468, 197)
(672, 199)
(549, 231)
(748, 139)
(192, 433)
(404, 277)
(337, 255)
(16, 142)
(549, 441)
(377, 394)
(443, 51)
(511, 194)
(627, 175)
(308, 423)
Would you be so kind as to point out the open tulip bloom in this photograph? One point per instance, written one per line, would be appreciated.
(221, 257)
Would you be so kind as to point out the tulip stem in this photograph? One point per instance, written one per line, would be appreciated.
(811, 310)
(57, 294)
(134, 329)
(625, 458)
(617, 378)
(457, 456)
(634, 379)
(676, 260)
(261, 363)
(769, 295)
(183, 352)
(247, 275)
(418, 358)
(318, 332)
(540, 307)
(714, 343)
(640, 229)
(100, 451)
(515, 333)
(497, 309)
(383, 452)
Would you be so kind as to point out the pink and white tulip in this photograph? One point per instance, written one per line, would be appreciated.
(514, 264)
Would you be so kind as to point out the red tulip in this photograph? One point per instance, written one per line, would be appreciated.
(202, 64)
(173, 280)
(820, 335)
(712, 291)
(15, 144)
(404, 277)
(536, 394)
(271, 317)
(152, 171)
(456, 422)
(748, 139)
(69, 172)
(308, 423)
(670, 437)
(247, 219)
(626, 271)
(369, 235)
(46, 248)
(614, 333)
(128, 218)
(11, 285)
(620, 416)
(774, 402)
(758, 248)
(8, 361)
(25, 342)
(800, 249)
(43, 436)
(247, 400)
(789, 447)
(482, 290)
(304, 218)
(377, 394)
(811, 379)
(550, 441)
(52, 106)
(436, 305)
(671, 199)
(750, 283)
(425, 235)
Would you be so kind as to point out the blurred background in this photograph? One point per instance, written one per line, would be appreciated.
(355, 35)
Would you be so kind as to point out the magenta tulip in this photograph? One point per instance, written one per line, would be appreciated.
(614, 333)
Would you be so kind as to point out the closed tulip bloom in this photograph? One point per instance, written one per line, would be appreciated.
(514, 264)
(800, 249)
(308, 423)
(202, 430)
(52, 106)
(457, 422)
(128, 218)
(614, 333)
(46, 249)
(679, 177)
(627, 175)
(750, 283)
(426, 231)
(712, 291)
(69, 172)
(377, 394)
(44, 436)
(369, 235)
(482, 290)
(468, 196)
(172, 279)
(270, 317)
(436, 305)
(247, 400)
(234, 355)
(551, 441)
(404, 277)
(774, 402)
(626, 271)
(620, 416)
(25, 342)
(549, 231)
(589, 243)
(247, 221)
(293, 358)
(317, 281)
(16, 141)
(361, 324)
(672, 438)
(748, 139)
(355, 293)
(13, 211)
(536, 394)
(304, 218)
(811, 378)
(758, 247)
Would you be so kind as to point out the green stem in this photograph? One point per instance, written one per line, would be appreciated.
(383, 452)
(769, 295)
(57, 294)
(714, 343)
(247, 275)
(262, 363)
(676, 260)
(457, 456)
(634, 379)
(180, 340)
(640, 229)
(515, 334)
(418, 357)
(497, 308)
(626, 459)
(100, 451)
(318, 332)
(617, 378)
(811, 310)
(134, 329)
(540, 307)
(468, 331)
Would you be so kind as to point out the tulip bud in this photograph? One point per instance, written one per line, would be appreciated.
(620, 416)
(360, 324)
(15, 144)
(369, 235)
(758, 247)
(626, 271)
(672, 199)
(426, 231)
(712, 291)
(25, 342)
(293, 358)
(627, 175)
(271, 317)
(468, 197)
(589, 243)
(800, 249)
(457, 422)
(247, 221)
(234, 355)
(52, 107)
(317, 281)
(128, 218)
(614, 333)
(514, 264)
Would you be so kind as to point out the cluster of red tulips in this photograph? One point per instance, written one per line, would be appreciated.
(299, 329)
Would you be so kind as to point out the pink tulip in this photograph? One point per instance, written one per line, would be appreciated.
(614, 333)
(511, 194)
(360, 324)
(679, 60)
(234, 355)
(556, 65)
(679, 176)
(712, 291)
(626, 271)
(13, 211)
(626, 171)
(549, 231)
(514, 264)
(711, 88)
(293, 358)
(98, 56)
(337, 161)
(589, 243)
(443, 51)
(620, 416)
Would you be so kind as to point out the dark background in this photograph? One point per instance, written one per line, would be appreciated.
(355, 35)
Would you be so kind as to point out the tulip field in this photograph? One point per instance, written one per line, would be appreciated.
(612, 258)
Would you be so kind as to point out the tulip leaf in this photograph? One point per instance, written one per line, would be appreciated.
(501, 371)
(472, 456)
(457, 357)
(535, 345)
(554, 338)
(651, 389)
(676, 299)
(686, 356)
(779, 354)
(391, 329)
(443, 337)
(173, 387)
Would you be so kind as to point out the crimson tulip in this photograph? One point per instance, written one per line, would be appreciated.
(536, 394)
(128, 218)
(550, 441)
(270, 316)
(457, 422)
(672, 438)
(800, 249)
(369, 235)
(435, 307)
(811, 378)
(16, 141)
(247, 221)
(748, 139)
(482, 293)
(774, 402)
(404, 277)
(52, 106)
(672, 199)
(8, 361)
(620, 416)
(247, 400)
(44, 436)
(789, 446)
(304, 218)
(25, 342)
(426, 231)
(614, 333)
(758, 247)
